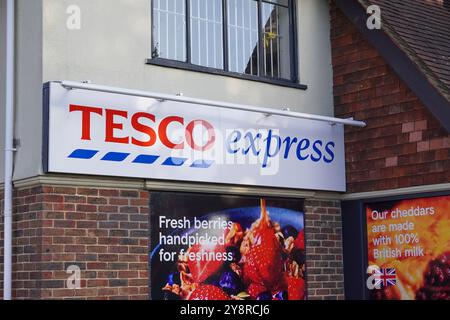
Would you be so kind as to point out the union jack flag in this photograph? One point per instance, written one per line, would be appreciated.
(386, 277)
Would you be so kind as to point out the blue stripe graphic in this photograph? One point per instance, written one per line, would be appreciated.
(83, 154)
(146, 159)
(202, 164)
(115, 156)
(174, 162)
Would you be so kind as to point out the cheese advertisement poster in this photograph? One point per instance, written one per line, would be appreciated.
(409, 249)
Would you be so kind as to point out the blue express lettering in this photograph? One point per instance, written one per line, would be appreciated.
(269, 145)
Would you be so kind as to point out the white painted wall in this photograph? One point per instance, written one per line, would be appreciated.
(28, 98)
(2, 85)
(316, 69)
(115, 40)
(111, 49)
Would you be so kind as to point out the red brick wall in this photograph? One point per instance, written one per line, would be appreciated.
(102, 231)
(403, 144)
(325, 273)
(105, 233)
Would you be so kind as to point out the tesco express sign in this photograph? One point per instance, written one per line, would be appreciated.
(106, 134)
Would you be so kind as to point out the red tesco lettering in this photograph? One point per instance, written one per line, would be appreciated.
(114, 128)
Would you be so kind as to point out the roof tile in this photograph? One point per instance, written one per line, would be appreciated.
(424, 27)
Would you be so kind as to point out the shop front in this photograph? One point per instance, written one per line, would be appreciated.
(241, 203)
(224, 162)
(226, 130)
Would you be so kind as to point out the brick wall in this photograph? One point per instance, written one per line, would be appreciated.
(102, 231)
(105, 233)
(403, 144)
(325, 273)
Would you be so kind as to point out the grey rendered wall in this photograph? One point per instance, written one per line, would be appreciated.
(28, 98)
(115, 40)
(316, 69)
(111, 48)
(2, 85)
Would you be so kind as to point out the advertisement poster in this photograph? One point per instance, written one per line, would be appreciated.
(212, 247)
(409, 249)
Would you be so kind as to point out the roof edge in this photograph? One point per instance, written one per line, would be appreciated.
(401, 61)
(399, 41)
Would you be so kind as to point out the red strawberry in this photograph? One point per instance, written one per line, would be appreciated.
(201, 270)
(234, 235)
(254, 290)
(281, 285)
(296, 288)
(300, 241)
(208, 292)
(262, 253)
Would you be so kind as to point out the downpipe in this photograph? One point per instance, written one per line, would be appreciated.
(9, 150)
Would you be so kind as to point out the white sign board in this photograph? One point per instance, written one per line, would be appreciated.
(97, 133)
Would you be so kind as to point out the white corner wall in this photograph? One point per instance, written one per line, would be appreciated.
(115, 40)
(315, 64)
(28, 97)
(2, 86)
(111, 49)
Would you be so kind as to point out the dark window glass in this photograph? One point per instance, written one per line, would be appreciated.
(206, 33)
(243, 36)
(253, 37)
(169, 29)
(276, 42)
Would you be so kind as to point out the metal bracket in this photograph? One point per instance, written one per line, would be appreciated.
(162, 98)
(72, 88)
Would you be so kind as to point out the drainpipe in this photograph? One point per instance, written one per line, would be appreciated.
(9, 150)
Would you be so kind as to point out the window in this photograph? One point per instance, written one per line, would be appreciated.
(169, 34)
(255, 38)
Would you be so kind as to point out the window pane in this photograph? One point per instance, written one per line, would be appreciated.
(275, 23)
(206, 33)
(243, 36)
(169, 29)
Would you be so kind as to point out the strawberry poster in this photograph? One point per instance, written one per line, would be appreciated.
(212, 247)
(409, 249)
